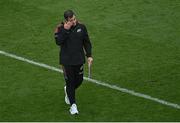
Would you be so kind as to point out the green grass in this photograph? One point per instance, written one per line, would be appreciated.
(135, 46)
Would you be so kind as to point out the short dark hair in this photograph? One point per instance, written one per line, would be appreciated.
(68, 14)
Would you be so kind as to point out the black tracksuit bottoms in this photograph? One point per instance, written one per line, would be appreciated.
(73, 75)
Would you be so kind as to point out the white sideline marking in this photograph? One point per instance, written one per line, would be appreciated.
(131, 92)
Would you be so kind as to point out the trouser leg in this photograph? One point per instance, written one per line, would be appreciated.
(69, 75)
(78, 75)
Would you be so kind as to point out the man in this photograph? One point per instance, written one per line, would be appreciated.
(74, 42)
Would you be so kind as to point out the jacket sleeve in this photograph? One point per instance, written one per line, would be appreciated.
(87, 43)
(60, 35)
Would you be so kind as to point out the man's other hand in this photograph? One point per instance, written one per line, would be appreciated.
(90, 60)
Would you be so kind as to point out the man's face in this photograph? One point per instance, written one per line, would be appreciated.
(72, 20)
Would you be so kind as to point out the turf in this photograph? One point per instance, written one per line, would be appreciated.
(135, 46)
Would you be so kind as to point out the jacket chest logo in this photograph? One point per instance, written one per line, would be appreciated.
(78, 30)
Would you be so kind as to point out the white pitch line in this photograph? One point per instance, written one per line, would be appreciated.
(131, 92)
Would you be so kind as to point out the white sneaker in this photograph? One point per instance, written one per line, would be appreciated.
(73, 109)
(66, 97)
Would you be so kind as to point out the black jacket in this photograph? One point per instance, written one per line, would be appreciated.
(72, 43)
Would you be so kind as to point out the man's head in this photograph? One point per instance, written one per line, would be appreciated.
(70, 16)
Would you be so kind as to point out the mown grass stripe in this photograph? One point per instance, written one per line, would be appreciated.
(124, 90)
